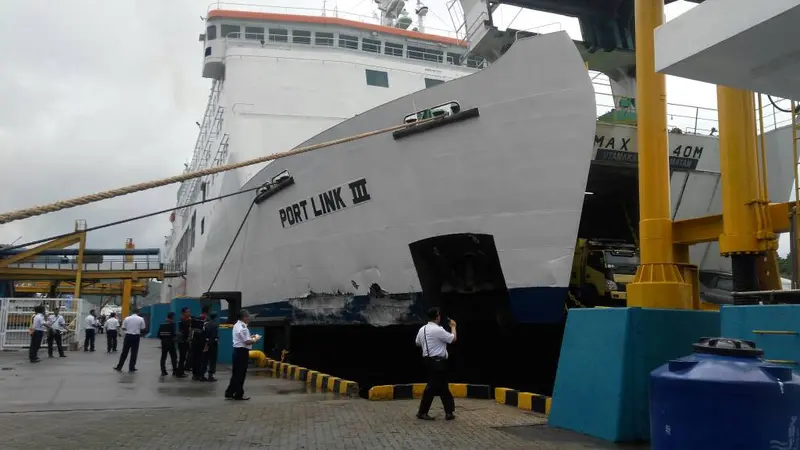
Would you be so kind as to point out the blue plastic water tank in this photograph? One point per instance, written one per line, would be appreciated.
(724, 397)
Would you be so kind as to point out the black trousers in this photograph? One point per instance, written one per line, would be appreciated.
(437, 385)
(111, 340)
(168, 348)
(88, 343)
(210, 359)
(183, 351)
(241, 357)
(54, 336)
(36, 343)
(129, 344)
(198, 358)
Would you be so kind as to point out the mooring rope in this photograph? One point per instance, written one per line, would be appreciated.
(105, 195)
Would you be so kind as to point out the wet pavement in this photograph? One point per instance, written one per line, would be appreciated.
(79, 402)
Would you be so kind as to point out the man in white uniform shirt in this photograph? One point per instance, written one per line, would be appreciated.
(242, 343)
(433, 340)
(37, 334)
(56, 326)
(112, 327)
(134, 327)
(89, 326)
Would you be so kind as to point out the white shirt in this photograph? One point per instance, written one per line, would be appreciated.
(133, 325)
(89, 322)
(240, 335)
(38, 322)
(112, 324)
(56, 323)
(437, 340)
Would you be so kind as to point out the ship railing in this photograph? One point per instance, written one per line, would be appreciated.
(139, 262)
(174, 268)
(689, 119)
(318, 12)
(356, 44)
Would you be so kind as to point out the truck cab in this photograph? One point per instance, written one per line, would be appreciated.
(601, 270)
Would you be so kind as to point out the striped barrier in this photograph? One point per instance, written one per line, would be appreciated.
(315, 381)
(411, 391)
(523, 400)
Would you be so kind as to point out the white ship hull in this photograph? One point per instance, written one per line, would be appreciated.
(514, 175)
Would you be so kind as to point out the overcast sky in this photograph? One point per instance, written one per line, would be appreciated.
(99, 94)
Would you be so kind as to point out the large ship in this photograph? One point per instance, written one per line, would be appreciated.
(477, 210)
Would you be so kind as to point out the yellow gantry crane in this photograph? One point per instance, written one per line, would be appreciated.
(32, 274)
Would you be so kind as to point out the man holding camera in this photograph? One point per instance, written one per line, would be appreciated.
(433, 340)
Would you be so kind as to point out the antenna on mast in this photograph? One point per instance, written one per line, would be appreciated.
(421, 12)
(324, 7)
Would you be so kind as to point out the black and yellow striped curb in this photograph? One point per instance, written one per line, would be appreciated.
(523, 400)
(409, 391)
(314, 380)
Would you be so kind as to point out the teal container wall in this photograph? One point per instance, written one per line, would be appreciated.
(606, 358)
(225, 354)
(158, 313)
(145, 313)
(740, 322)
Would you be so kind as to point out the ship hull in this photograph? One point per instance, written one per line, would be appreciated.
(373, 231)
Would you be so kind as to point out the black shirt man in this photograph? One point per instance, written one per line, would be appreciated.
(198, 345)
(168, 336)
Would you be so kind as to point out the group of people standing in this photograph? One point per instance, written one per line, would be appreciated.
(92, 326)
(197, 342)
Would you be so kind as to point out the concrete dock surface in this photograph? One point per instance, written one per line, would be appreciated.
(79, 402)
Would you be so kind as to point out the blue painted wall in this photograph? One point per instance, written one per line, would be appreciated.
(741, 321)
(606, 358)
(158, 313)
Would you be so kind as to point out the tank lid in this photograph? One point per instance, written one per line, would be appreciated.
(727, 347)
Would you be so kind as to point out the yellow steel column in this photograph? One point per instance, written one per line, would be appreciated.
(739, 172)
(658, 282)
(79, 267)
(126, 297)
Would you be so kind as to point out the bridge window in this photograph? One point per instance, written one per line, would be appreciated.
(350, 42)
(211, 32)
(202, 226)
(278, 35)
(231, 31)
(325, 39)
(454, 58)
(301, 37)
(425, 54)
(377, 78)
(371, 45)
(431, 82)
(393, 49)
(256, 33)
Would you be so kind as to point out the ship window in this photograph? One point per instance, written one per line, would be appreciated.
(231, 31)
(393, 49)
(278, 35)
(191, 230)
(350, 42)
(324, 39)
(377, 78)
(256, 33)
(301, 37)
(425, 54)
(371, 45)
(454, 59)
(211, 32)
(202, 226)
(431, 82)
(208, 51)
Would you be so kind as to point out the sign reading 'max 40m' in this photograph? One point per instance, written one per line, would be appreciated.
(618, 144)
(330, 201)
